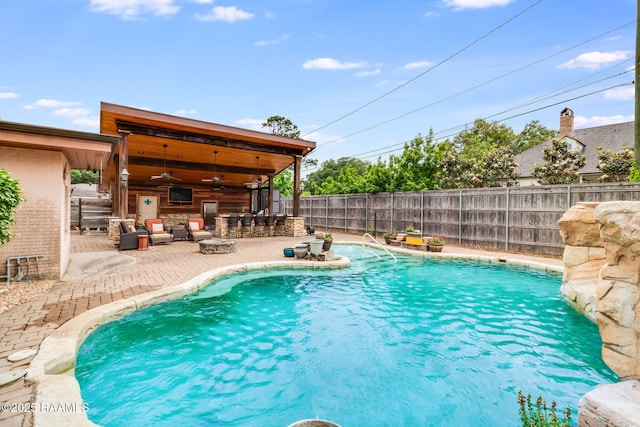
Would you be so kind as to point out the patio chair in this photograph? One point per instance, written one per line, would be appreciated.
(233, 229)
(246, 225)
(196, 229)
(129, 238)
(157, 232)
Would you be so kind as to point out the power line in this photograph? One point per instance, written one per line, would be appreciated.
(379, 152)
(479, 85)
(429, 69)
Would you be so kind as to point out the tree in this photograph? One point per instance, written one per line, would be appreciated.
(498, 168)
(615, 167)
(561, 164)
(80, 176)
(332, 169)
(282, 126)
(416, 169)
(533, 134)
(482, 137)
(10, 199)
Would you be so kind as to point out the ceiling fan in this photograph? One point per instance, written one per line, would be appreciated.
(215, 170)
(256, 182)
(164, 175)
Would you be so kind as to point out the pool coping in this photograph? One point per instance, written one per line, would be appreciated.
(52, 369)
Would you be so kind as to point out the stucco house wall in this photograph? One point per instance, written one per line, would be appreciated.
(42, 222)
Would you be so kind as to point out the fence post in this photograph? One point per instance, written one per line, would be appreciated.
(460, 217)
(345, 213)
(506, 240)
(392, 212)
(568, 197)
(366, 212)
(422, 212)
(326, 212)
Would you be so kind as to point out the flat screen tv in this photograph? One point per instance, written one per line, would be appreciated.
(181, 195)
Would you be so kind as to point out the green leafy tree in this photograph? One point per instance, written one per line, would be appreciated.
(561, 164)
(10, 199)
(615, 166)
(332, 169)
(498, 168)
(634, 174)
(282, 126)
(534, 133)
(458, 171)
(482, 137)
(416, 168)
(79, 176)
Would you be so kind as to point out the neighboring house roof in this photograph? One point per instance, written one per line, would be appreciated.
(610, 137)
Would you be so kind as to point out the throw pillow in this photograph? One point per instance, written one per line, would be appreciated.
(194, 226)
(157, 228)
(132, 228)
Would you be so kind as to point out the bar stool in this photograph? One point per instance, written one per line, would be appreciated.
(270, 225)
(233, 229)
(280, 225)
(260, 222)
(246, 225)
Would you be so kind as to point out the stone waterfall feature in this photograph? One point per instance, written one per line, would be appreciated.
(602, 279)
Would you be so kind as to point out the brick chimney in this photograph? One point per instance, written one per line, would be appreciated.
(566, 123)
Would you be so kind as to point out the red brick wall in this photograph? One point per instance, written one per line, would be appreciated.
(42, 222)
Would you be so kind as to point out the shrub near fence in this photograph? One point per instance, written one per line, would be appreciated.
(520, 219)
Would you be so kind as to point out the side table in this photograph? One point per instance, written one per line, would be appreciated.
(179, 233)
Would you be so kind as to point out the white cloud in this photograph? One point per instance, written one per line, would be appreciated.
(131, 9)
(272, 42)
(431, 14)
(417, 64)
(620, 94)
(475, 4)
(587, 122)
(368, 73)
(331, 64)
(202, 1)
(8, 95)
(51, 103)
(225, 13)
(71, 113)
(594, 60)
(255, 124)
(188, 112)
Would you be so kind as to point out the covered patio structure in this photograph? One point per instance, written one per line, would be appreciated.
(173, 167)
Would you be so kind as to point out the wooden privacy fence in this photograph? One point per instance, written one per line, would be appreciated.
(90, 214)
(520, 219)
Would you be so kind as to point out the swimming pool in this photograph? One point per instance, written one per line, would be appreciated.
(421, 342)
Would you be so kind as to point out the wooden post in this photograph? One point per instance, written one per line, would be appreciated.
(270, 206)
(296, 185)
(123, 160)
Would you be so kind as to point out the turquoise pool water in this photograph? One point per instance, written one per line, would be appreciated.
(418, 343)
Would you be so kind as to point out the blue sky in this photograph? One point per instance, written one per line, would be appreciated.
(358, 78)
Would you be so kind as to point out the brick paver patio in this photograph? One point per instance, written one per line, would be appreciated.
(26, 325)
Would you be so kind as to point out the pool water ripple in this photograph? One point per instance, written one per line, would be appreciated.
(428, 343)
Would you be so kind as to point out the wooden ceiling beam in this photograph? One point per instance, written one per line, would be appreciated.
(199, 138)
(177, 164)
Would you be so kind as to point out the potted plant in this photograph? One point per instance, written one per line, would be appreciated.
(388, 236)
(316, 246)
(436, 243)
(328, 240)
(412, 232)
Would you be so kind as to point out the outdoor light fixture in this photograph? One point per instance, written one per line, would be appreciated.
(124, 177)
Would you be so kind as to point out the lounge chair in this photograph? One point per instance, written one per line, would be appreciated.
(197, 230)
(157, 232)
(128, 237)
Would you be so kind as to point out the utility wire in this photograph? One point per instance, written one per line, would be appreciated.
(477, 86)
(378, 152)
(429, 69)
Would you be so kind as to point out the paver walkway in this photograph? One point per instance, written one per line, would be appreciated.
(25, 326)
